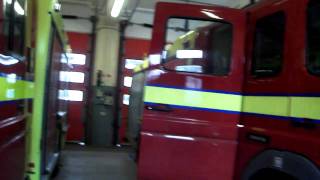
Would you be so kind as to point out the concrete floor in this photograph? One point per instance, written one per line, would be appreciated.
(85, 163)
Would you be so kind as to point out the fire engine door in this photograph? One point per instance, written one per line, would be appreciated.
(193, 97)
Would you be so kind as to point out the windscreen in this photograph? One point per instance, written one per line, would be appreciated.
(198, 46)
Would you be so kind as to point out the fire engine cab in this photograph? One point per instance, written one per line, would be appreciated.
(236, 95)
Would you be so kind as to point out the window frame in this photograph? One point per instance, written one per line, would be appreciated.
(164, 61)
(11, 44)
(307, 35)
(254, 42)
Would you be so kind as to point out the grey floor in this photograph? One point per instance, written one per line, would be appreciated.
(84, 163)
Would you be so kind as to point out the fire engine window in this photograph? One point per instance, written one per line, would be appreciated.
(4, 26)
(74, 59)
(70, 95)
(198, 46)
(269, 45)
(73, 77)
(313, 37)
(18, 27)
(12, 28)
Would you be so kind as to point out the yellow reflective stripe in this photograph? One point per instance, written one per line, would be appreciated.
(269, 105)
(12, 89)
(191, 98)
(142, 66)
(306, 107)
(297, 107)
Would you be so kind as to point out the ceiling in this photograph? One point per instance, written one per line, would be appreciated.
(150, 4)
(147, 5)
(138, 11)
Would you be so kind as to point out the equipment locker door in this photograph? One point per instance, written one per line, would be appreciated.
(266, 104)
(55, 107)
(305, 79)
(193, 98)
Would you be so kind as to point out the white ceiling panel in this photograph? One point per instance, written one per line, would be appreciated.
(142, 15)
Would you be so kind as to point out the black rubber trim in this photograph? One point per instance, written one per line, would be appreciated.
(287, 162)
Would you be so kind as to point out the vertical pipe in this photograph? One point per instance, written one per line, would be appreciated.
(117, 108)
(88, 115)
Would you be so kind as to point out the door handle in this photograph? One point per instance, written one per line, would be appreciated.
(304, 123)
(159, 107)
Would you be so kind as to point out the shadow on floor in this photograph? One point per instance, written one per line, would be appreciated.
(86, 163)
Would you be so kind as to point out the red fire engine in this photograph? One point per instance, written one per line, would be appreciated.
(236, 95)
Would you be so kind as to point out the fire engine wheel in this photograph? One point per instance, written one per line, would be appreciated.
(271, 174)
(280, 165)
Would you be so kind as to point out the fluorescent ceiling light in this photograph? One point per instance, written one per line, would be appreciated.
(18, 8)
(116, 9)
(185, 54)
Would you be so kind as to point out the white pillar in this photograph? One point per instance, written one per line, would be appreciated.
(107, 51)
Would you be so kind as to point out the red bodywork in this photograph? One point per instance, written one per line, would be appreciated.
(80, 44)
(13, 114)
(294, 79)
(206, 137)
(196, 144)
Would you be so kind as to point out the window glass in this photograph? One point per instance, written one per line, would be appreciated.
(4, 26)
(74, 77)
(269, 45)
(12, 28)
(70, 95)
(313, 37)
(154, 59)
(127, 81)
(125, 100)
(132, 63)
(75, 59)
(198, 46)
(19, 27)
